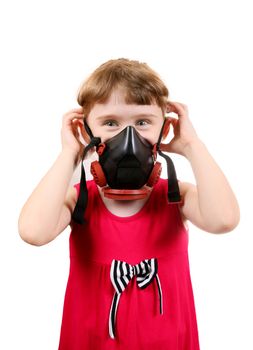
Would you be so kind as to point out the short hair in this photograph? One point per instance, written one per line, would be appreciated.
(141, 84)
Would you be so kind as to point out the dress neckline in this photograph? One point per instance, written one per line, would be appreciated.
(123, 218)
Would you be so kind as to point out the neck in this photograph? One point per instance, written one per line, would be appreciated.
(123, 208)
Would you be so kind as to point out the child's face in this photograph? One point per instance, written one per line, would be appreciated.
(108, 119)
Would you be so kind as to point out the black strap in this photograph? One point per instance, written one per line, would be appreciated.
(173, 189)
(88, 130)
(81, 204)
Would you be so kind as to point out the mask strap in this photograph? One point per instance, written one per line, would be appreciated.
(88, 130)
(173, 189)
(81, 204)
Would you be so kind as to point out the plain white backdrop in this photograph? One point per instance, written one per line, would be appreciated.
(203, 51)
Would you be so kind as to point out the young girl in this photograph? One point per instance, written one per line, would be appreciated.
(129, 284)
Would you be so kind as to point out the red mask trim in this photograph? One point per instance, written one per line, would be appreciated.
(100, 149)
(126, 194)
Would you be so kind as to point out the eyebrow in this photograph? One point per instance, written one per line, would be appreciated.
(140, 115)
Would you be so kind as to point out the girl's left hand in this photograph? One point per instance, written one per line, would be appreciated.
(184, 132)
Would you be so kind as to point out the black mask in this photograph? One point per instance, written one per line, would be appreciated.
(127, 160)
(127, 165)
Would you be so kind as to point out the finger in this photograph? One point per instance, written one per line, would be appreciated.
(69, 117)
(78, 110)
(80, 130)
(73, 115)
(74, 126)
(179, 108)
(176, 108)
(77, 129)
(174, 103)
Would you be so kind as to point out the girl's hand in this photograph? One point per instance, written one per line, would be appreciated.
(184, 132)
(70, 136)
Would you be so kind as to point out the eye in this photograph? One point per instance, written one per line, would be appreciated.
(143, 122)
(110, 123)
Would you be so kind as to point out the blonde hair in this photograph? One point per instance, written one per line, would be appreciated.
(141, 84)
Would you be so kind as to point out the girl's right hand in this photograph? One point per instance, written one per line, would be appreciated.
(70, 136)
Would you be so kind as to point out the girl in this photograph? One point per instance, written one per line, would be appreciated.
(129, 284)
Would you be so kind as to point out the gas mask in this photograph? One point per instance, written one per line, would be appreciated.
(126, 168)
(126, 165)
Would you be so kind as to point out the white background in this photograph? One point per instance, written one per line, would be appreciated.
(203, 51)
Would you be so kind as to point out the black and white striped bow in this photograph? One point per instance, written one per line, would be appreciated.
(121, 273)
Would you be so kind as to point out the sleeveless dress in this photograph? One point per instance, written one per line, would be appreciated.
(149, 247)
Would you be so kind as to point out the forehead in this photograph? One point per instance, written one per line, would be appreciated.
(116, 105)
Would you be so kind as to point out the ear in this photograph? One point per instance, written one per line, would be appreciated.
(84, 133)
(166, 128)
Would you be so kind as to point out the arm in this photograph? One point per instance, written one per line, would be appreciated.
(211, 204)
(39, 217)
(48, 209)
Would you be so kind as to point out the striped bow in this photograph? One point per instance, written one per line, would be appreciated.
(121, 273)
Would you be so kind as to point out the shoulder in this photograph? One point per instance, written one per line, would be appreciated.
(76, 187)
(184, 187)
(190, 209)
(188, 191)
(74, 190)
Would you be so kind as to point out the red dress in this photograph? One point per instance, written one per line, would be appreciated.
(146, 318)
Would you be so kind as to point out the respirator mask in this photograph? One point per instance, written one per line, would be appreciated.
(126, 168)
